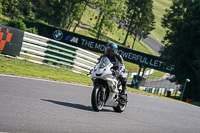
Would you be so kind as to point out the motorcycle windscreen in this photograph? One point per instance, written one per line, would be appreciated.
(104, 62)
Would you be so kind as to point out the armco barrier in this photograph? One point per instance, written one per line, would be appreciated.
(43, 50)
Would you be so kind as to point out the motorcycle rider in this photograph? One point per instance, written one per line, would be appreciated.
(118, 63)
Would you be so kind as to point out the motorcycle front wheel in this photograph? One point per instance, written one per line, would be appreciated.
(96, 99)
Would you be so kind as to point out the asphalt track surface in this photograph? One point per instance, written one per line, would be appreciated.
(42, 106)
(153, 44)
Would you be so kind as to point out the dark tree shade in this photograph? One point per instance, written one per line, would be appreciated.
(182, 43)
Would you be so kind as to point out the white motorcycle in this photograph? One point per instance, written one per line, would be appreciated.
(107, 88)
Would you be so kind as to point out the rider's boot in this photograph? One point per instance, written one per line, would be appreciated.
(124, 91)
(123, 82)
(124, 94)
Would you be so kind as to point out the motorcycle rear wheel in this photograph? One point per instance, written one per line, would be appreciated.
(97, 102)
(121, 106)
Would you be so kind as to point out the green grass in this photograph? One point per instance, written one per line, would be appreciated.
(28, 69)
(15, 66)
(159, 7)
(158, 74)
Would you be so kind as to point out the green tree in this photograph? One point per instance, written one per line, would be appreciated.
(140, 19)
(70, 6)
(10, 7)
(182, 22)
(17, 24)
(47, 10)
(86, 3)
(80, 16)
(1, 6)
(16, 8)
(110, 10)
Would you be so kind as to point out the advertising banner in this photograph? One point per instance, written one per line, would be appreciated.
(95, 45)
(10, 40)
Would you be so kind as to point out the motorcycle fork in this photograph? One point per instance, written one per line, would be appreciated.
(103, 94)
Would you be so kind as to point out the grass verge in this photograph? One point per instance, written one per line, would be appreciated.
(25, 68)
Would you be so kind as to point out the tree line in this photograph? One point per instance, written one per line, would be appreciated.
(135, 16)
(182, 45)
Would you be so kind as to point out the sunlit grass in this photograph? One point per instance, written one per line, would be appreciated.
(28, 69)
(159, 7)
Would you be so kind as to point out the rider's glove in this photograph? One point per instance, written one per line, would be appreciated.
(115, 73)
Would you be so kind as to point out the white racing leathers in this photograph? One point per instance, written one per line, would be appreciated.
(118, 67)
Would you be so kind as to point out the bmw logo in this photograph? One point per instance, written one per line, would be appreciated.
(58, 35)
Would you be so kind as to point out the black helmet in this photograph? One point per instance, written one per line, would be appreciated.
(111, 49)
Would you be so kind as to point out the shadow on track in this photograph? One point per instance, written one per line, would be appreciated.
(73, 105)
